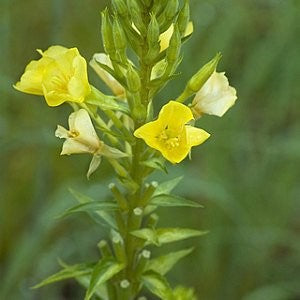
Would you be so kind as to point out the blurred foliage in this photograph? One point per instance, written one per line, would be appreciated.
(246, 175)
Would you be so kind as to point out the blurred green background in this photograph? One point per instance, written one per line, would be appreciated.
(247, 174)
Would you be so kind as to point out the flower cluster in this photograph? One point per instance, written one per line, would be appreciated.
(120, 126)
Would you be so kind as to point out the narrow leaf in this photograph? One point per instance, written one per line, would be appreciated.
(167, 186)
(69, 272)
(155, 163)
(91, 207)
(172, 201)
(81, 198)
(168, 235)
(103, 271)
(157, 285)
(101, 291)
(165, 235)
(163, 264)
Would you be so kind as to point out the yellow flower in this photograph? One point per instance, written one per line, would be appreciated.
(165, 37)
(82, 138)
(215, 97)
(60, 75)
(170, 135)
(111, 82)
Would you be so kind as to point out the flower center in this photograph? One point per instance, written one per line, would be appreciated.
(73, 133)
(170, 139)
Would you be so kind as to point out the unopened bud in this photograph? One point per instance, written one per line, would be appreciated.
(153, 31)
(133, 80)
(136, 16)
(107, 32)
(120, 7)
(184, 17)
(198, 80)
(119, 35)
(175, 45)
(171, 9)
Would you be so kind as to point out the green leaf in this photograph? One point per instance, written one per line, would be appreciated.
(104, 270)
(90, 207)
(105, 102)
(68, 272)
(157, 285)
(167, 186)
(81, 198)
(166, 235)
(173, 201)
(163, 264)
(155, 163)
(101, 291)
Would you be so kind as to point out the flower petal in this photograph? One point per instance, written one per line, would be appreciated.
(175, 115)
(195, 136)
(61, 132)
(215, 97)
(72, 146)
(95, 162)
(149, 133)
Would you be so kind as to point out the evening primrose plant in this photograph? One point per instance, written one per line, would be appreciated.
(142, 41)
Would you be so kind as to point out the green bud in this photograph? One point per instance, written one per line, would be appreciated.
(107, 32)
(199, 79)
(133, 80)
(120, 7)
(136, 15)
(183, 17)
(174, 47)
(119, 35)
(171, 9)
(168, 15)
(153, 31)
(104, 248)
(147, 3)
(142, 262)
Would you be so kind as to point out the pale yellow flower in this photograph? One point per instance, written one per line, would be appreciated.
(165, 37)
(215, 97)
(170, 135)
(109, 80)
(60, 75)
(82, 138)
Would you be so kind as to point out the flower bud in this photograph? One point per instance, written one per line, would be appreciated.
(199, 79)
(107, 33)
(215, 97)
(168, 15)
(133, 80)
(120, 7)
(119, 35)
(184, 17)
(153, 31)
(174, 48)
(136, 16)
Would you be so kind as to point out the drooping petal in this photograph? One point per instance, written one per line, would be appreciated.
(73, 146)
(109, 80)
(61, 132)
(95, 162)
(195, 136)
(215, 97)
(111, 152)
